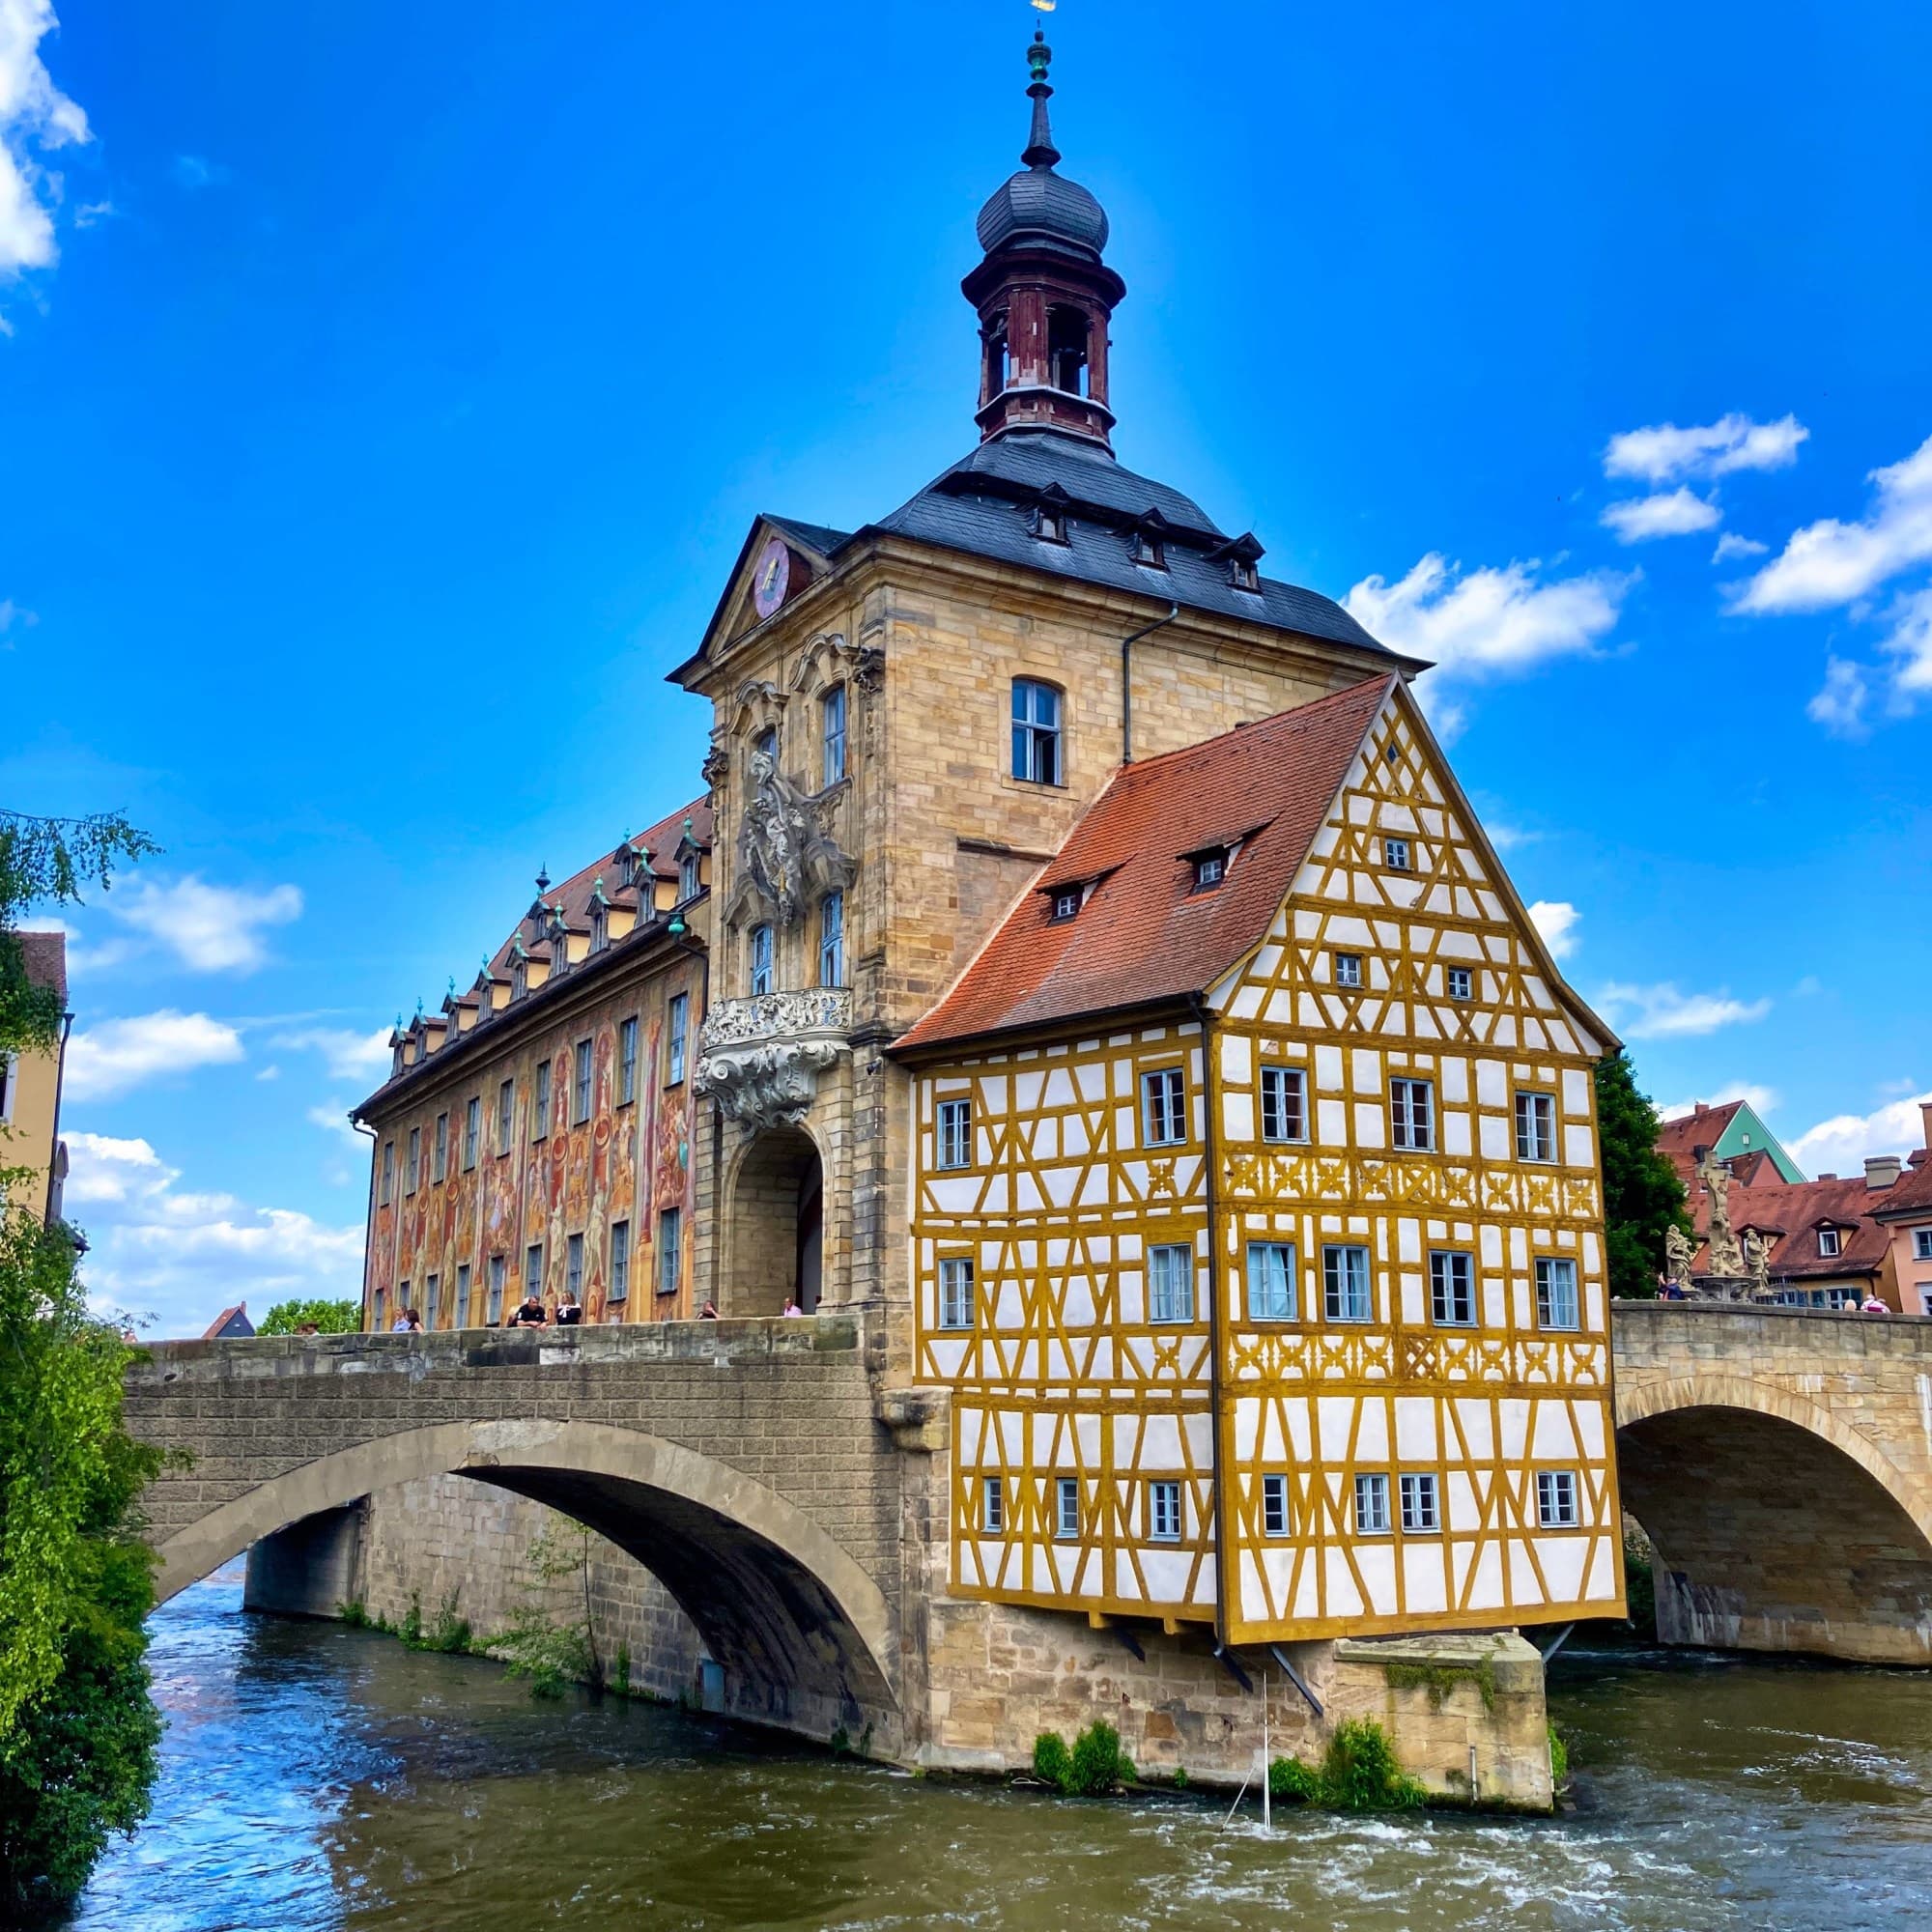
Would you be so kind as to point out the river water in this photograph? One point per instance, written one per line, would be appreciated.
(317, 1777)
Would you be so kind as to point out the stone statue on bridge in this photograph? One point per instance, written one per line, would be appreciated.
(1757, 1264)
(1678, 1252)
(1724, 1259)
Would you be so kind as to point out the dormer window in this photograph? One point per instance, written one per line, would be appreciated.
(1150, 541)
(1049, 517)
(1828, 1242)
(1241, 554)
(1210, 869)
(599, 929)
(1066, 902)
(687, 876)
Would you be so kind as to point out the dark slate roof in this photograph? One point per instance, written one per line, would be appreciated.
(986, 505)
(818, 537)
(1037, 201)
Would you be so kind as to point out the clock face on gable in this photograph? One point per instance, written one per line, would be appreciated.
(770, 576)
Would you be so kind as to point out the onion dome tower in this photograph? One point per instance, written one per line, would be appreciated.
(1043, 295)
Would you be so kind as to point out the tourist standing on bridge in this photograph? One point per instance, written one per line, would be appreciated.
(569, 1309)
(528, 1313)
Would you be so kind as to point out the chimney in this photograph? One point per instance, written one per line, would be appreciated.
(1925, 1114)
(1698, 1107)
(1828, 1176)
(1881, 1169)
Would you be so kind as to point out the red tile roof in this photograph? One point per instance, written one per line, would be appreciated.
(1144, 936)
(219, 1325)
(1678, 1139)
(1792, 1211)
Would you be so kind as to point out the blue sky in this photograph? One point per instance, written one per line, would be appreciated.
(388, 390)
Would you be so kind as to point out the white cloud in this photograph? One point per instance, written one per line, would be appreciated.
(1911, 640)
(1662, 1012)
(1556, 920)
(269, 1072)
(1839, 1145)
(1663, 452)
(209, 928)
(118, 1055)
(35, 115)
(1839, 702)
(1760, 1099)
(1731, 545)
(1671, 513)
(332, 1117)
(1831, 563)
(12, 614)
(1487, 621)
(348, 1055)
(184, 1255)
(1509, 837)
(195, 171)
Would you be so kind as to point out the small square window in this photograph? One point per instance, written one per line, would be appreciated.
(1395, 854)
(955, 1292)
(1210, 869)
(1066, 1507)
(1348, 969)
(1421, 1515)
(1462, 985)
(956, 1133)
(1557, 1498)
(1274, 1505)
(1066, 902)
(993, 1506)
(1163, 1512)
(1163, 1107)
(1828, 1242)
(1372, 1505)
(1283, 1103)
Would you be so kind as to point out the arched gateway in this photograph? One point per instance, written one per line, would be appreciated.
(679, 1445)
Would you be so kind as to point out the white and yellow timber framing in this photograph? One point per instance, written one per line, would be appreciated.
(1062, 1374)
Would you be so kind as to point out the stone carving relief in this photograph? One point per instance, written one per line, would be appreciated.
(1725, 1260)
(760, 1058)
(829, 658)
(787, 857)
(1679, 1251)
(1757, 1262)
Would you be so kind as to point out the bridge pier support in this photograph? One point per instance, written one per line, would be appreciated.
(310, 1569)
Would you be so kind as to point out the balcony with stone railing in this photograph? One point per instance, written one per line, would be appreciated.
(760, 1058)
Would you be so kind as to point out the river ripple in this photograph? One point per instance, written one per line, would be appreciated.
(316, 1778)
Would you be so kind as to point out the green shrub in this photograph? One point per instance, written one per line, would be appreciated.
(411, 1630)
(1559, 1757)
(1180, 1778)
(1359, 1773)
(1051, 1762)
(1098, 1763)
(621, 1679)
(355, 1615)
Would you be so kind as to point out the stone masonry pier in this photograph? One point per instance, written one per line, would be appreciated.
(1780, 1462)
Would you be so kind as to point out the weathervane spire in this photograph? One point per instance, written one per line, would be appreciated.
(1040, 153)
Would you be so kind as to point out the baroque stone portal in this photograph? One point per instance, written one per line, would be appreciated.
(760, 1059)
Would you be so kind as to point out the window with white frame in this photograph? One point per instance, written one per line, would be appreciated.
(955, 1292)
(1036, 733)
(1271, 1281)
(1345, 1283)
(1827, 1242)
(620, 1261)
(1170, 1282)
(1412, 1115)
(1556, 1292)
(1065, 903)
(831, 733)
(1461, 983)
(677, 1038)
(1534, 1127)
(1452, 1290)
(473, 1129)
(1372, 1505)
(506, 1115)
(956, 1133)
(1274, 1505)
(459, 1313)
(761, 960)
(1066, 1507)
(1395, 854)
(441, 1167)
(1163, 1512)
(579, 1093)
(540, 1112)
(993, 1506)
(494, 1308)
(1163, 1107)
(1421, 1510)
(1210, 869)
(1348, 969)
(627, 1061)
(670, 1250)
(1922, 1245)
(412, 1166)
(1283, 1103)
(831, 940)
(1557, 1498)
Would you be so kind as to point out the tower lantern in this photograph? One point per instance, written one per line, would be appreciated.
(1043, 295)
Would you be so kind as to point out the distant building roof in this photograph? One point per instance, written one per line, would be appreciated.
(230, 1324)
(1144, 936)
(1730, 1128)
(1791, 1214)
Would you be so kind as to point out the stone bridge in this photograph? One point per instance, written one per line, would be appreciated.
(1780, 1462)
(741, 1461)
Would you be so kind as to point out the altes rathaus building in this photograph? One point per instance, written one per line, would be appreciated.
(1079, 961)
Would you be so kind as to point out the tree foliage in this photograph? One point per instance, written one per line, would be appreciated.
(47, 862)
(330, 1318)
(1642, 1195)
(78, 1729)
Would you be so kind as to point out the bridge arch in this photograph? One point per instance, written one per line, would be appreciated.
(1777, 1525)
(778, 1601)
